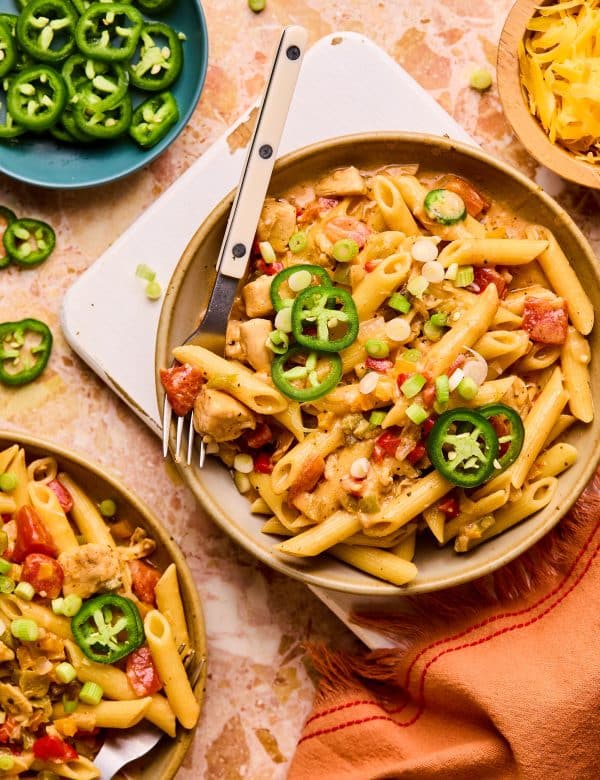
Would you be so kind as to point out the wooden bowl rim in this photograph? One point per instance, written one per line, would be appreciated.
(525, 126)
(180, 744)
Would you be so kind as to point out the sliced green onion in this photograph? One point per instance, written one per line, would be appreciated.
(399, 302)
(243, 463)
(297, 242)
(467, 388)
(439, 319)
(431, 331)
(283, 320)
(153, 291)
(3, 546)
(65, 672)
(417, 286)
(439, 407)
(25, 591)
(300, 280)
(57, 606)
(107, 508)
(464, 276)
(416, 414)
(24, 629)
(481, 80)
(412, 355)
(69, 705)
(377, 418)
(257, 5)
(144, 271)
(413, 385)
(6, 584)
(8, 482)
(344, 250)
(5, 566)
(6, 763)
(267, 252)
(377, 348)
(442, 389)
(91, 693)
(71, 605)
(278, 342)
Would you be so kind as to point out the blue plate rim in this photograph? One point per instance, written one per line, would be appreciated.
(154, 152)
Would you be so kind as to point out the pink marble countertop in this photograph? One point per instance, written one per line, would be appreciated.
(259, 689)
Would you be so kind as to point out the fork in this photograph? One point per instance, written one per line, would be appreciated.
(122, 747)
(243, 218)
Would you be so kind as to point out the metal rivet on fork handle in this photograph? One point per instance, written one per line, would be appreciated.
(239, 250)
(293, 53)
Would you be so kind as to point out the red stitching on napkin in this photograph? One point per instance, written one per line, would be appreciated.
(339, 707)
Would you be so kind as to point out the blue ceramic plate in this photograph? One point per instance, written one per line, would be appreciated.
(50, 163)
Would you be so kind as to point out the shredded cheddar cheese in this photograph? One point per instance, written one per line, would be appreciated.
(559, 60)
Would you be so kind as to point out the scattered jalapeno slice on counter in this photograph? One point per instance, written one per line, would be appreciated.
(107, 628)
(36, 97)
(153, 119)
(317, 308)
(46, 29)
(316, 272)
(160, 58)
(305, 375)
(108, 31)
(7, 217)
(29, 241)
(25, 348)
(514, 438)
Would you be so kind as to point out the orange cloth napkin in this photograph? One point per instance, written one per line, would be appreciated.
(498, 679)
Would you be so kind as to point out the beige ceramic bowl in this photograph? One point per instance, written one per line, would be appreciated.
(165, 759)
(526, 127)
(187, 296)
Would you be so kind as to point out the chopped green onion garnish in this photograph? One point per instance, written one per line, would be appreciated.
(257, 5)
(442, 389)
(376, 348)
(65, 672)
(71, 605)
(107, 508)
(467, 388)
(278, 342)
(431, 331)
(377, 418)
(416, 414)
(297, 242)
(25, 591)
(91, 693)
(267, 252)
(341, 275)
(481, 80)
(439, 319)
(417, 286)
(69, 705)
(24, 629)
(464, 276)
(439, 407)
(144, 271)
(8, 482)
(399, 302)
(5, 566)
(153, 291)
(344, 250)
(6, 763)
(6, 584)
(57, 606)
(413, 385)
(412, 355)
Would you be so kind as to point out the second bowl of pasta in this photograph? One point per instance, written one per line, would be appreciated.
(405, 399)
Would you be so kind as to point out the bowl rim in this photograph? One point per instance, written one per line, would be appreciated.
(525, 126)
(150, 154)
(184, 737)
(205, 498)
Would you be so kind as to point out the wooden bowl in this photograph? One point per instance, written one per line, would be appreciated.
(166, 758)
(525, 126)
(187, 297)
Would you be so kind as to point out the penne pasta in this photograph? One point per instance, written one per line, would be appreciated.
(380, 563)
(406, 548)
(291, 465)
(86, 515)
(112, 714)
(553, 461)
(80, 768)
(574, 359)
(168, 601)
(378, 285)
(395, 212)
(491, 251)
(47, 505)
(336, 528)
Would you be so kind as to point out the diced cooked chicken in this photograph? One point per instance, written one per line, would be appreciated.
(89, 569)
(6, 654)
(140, 546)
(253, 339)
(220, 416)
(344, 181)
(233, 348)
(257, 298)
(13, 701)
(277, 223)
(34, 685)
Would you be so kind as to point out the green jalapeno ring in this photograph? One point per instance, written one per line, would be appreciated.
(41, 23)
(105, 124)
(517, 430)
(97, 629)
(101, 23)
(19, 236)
(8, 48)
(36, 97)
(98, 85)
(283, 378)
(152, 7)
(468, 456)
(12, 340)
(7, 216)
(310, 306)
(278, 301)
(158, 66)
(153, 119)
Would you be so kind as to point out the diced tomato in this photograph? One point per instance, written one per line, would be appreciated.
(65, 499)
(270, 269)
(347, 227)
(316, 209)
(32, 536)
(44, 573)
(474, 200)
(449, 506)
(53, 749)
(371, 265)
(486, 276)
(545, 320)
(401, 379)
(141, 672)
(428, 424)
(144, 578)
(428, 394)
(182, 384)
(418, 452)
(381, 365)
(309, 476)
(386, 444)
(6, 517)
(259, 437)
(263, 463)
(8, 729)
(502, 428)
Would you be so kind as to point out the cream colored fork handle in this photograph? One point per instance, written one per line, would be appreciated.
(260, 158)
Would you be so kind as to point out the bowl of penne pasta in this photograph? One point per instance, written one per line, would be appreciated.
(405, 399)
(98, 614)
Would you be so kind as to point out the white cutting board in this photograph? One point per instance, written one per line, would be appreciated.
(347, 85)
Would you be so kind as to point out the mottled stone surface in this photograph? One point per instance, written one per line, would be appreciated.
(258, 689)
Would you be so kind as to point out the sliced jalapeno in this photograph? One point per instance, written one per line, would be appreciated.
(103, 124)
(46, 29)
(8, 49)
(308, 273)
(152, 7)
(153, 119)
(29, 242)
(317, 308)
(36, 97)
(510, 436)
(108, 31)
(25, 348)
(7, 217)
(304, 374)
(100, 85)
(160, 58)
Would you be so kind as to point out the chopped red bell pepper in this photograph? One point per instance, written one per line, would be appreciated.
(371, 265)
(8, 729)
(401, 379)
(142, 673)
(475, 202)
(428, 424)
(381, 365)
(457, 363)
(182, 384)
(449, 506)
(263, 463)
(44, 574)
(6, 517)
(486, 276)
(259, 437)
(53, 749)
(144, 578)
(268, 268)
(418, 452)
(65, 499)
(32, 536)
(386, 444)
